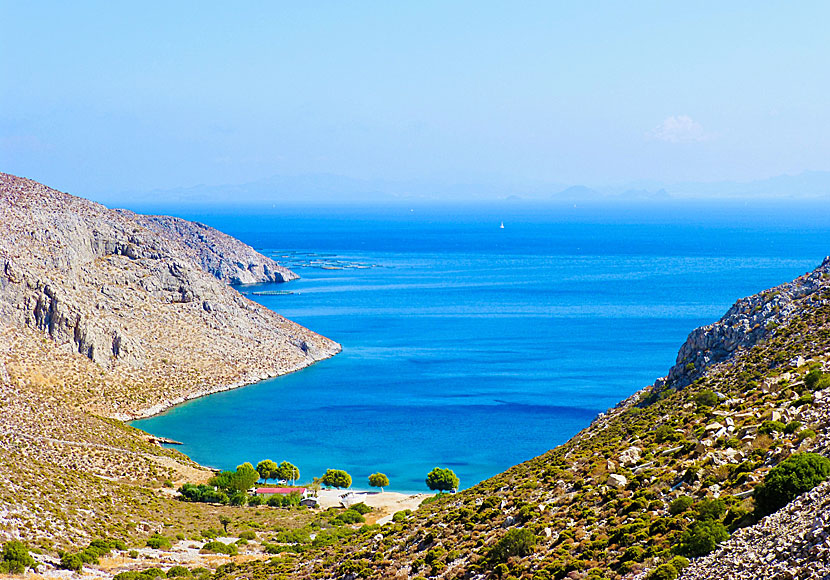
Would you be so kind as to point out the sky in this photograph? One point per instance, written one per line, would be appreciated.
(102, 97)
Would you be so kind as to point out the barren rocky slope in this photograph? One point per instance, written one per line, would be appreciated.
(108, 315)
(143, 297)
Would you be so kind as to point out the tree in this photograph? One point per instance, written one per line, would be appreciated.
(288, 471)
(224, 520)
(789, 479)
(242, 479)
(267, 469)
(441, 479)
(337, 478)
(378, 480)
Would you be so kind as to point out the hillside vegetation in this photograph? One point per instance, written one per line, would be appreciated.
(658, 481)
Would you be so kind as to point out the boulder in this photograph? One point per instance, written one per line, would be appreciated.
(617, 481)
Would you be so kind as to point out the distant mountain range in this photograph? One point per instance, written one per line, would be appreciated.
(334, 189)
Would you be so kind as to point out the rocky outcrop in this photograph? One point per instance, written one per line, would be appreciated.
(750, 321)
(225, 257)
(147, 293)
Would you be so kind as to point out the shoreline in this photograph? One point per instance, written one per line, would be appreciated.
(163, 406)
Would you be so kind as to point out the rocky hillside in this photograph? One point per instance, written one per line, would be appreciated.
(144, 297)
(107, 315)
(650, 485)
(750, 321)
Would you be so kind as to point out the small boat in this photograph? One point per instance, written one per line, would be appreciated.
(501, 227)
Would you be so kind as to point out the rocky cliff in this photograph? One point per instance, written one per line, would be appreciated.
(748, 322)
(144, 297)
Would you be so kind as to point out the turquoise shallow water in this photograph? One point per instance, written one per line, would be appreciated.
(465, 345)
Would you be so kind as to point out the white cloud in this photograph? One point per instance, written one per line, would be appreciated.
(679, 129)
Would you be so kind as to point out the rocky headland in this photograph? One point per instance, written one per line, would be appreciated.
(146, 298)
(107, 315)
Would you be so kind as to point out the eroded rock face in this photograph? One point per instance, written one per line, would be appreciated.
(147, 292)
(225, 257)
(749, 321)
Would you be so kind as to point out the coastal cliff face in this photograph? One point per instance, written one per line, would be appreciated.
(219, 254)
(144, 297)
(748, 322)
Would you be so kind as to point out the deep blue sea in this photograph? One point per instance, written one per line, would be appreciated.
(470, 346)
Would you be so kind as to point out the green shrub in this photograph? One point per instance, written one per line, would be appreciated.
(16, 558)
(663, 572)
(710, 509)
(680, 505)
(805, 434)
(255, 500)
(350, 516)
(220, 548)
(706, 398)
(792, 427)
(768, 427)
(816, 380)
(178, 572)
(238, 498)
(803, 400)
(149, 574)
(158, 542)
(789, 479)
(516, 542)
(702, 538)
(400, 516)
(247, 535)
(678, 563)
(300, 536)
(72, 562)
(361, 508)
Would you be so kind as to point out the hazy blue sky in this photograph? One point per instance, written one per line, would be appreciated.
(110, 96)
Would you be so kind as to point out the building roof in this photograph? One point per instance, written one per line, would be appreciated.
(266, 490)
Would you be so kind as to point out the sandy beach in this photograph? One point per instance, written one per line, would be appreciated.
(384, 504)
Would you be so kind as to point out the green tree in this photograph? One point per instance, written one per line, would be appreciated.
(440, 479)
(378, 480)
(789, 479)
(288, 472)
(224, 520)
(242, 479)
(239, 498)
(337, 478)
(16, 558)
(267, 469)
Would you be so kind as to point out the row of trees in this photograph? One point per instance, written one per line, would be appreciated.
(245, 476)
(439, 479)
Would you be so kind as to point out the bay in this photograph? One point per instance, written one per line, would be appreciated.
(470, 346)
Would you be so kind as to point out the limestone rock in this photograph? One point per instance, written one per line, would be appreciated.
(617, 481)
(143, 292)
(630, 456)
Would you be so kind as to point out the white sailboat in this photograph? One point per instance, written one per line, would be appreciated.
(501, 227)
